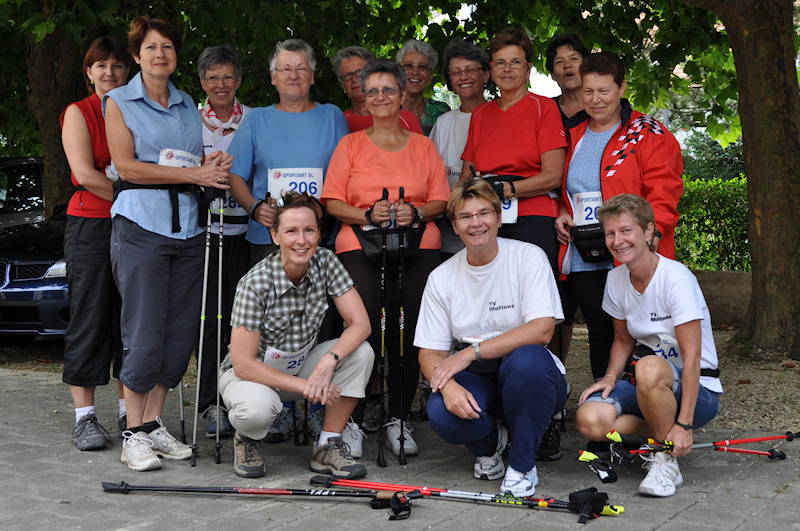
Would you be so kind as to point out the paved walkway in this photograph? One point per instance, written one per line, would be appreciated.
(47, 483)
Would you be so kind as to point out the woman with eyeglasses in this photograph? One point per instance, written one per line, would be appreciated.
(387, 156)
(347, 63)
(419, 59)
(494, 305)
(519, 138)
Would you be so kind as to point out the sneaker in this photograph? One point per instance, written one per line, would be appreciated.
(225, 429)
(491, 467)
(167, 446)
(122, 423)
(137, 452)
(393, 436)
(247, 459)
(334, 458)
(519, 484)
(372, 417)
(550, 447)
(283, 427)
(663, 475)
(88, 434)
(354, 437)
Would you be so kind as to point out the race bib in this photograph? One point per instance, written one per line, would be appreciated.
(665, 346)
(229, 204)
(287, 362)
(585, 207)
(510, 208)
(178, 159)
(301, 180)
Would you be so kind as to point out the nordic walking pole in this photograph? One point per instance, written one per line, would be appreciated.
(636, 441)
(220, 276)
(400, 265)
(382, 362)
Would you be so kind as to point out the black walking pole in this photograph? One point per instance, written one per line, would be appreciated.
(382, 363)
(400, 265)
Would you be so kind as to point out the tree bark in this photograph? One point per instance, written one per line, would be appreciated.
(761, 36)
(54, 70)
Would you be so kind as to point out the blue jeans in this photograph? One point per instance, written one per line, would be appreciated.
(623, 398)
(527, 389)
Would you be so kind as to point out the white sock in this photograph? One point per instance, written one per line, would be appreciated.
(325, 435)
(122, 409)
(81, 412)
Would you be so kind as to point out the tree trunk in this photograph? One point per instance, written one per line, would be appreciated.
(761, 36)
(54, 70)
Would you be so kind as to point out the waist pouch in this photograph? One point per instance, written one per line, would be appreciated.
(372, 241)
(204, 196)
(590, 241)
(640, 351)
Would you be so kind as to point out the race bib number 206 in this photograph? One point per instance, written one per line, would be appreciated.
(301, 180)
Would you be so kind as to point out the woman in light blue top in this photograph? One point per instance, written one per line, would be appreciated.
(155, 138)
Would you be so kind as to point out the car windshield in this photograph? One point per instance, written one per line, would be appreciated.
(21, 195)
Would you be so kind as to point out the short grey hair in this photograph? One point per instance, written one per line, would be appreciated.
(424, 48)
(347, 53)
(293, 45)
(224, 54)
(383, 66)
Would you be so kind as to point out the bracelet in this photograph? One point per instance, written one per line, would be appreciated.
(477, 348)
(368, 215)
(251, 210)
(417, 214)
(513, 190)
(687, 427)
(335, 355)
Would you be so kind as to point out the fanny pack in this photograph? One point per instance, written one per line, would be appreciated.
(372, 241)
(640, 351)
(590, 242)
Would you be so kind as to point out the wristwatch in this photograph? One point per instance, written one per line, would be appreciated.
(687, 427)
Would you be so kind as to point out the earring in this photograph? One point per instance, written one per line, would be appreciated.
(650, 242)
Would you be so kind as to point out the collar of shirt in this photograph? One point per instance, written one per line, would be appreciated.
(281, 281)
(137, 91)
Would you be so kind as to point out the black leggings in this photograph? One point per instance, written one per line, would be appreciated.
(366, 275)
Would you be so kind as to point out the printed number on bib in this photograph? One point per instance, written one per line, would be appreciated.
(178, 159)
(585, 207)
(665, 346)
(287, 362)
(301, 180)
(510, 208)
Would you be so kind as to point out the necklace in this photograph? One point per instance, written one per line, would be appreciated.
(653, 262)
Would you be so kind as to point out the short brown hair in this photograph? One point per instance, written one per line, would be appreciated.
(604, 64)
(293, 199)
(635, 206)
(103, 49)
(511, 37)
(141, 26)
(472, 189)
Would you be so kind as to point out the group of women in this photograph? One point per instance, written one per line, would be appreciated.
(495, 172)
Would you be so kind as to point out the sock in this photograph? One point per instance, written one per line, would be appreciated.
(325, 435)
(81, 412)
(122, 409)
(149, 427)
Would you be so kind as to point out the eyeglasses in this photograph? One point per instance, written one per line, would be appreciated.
(483, 215)
(214, 80)
(301, 71)
(422, 67)
(515, 64)
(349, 75)
(386, 91)
(470, 71)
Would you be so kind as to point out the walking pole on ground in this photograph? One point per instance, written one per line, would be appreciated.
(200, 340)
(220, 276)
(400, 265)
(382, 363)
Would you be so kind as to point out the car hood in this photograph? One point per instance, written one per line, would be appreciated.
(33, 243)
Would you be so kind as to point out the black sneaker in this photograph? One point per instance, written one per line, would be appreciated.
(550, 448)
(88, 434)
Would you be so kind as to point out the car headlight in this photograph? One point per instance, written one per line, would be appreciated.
(57, 270)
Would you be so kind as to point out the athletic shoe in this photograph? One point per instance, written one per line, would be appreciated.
(550, 447)
(519, 484)
(354, 438)
(167, 446)
(122, 423)
(88, 434)
(137, 452)
(283, 426)
(247, 459)
(491, 467)
(334, 458)
(225, 429)
(372, 416)
(663, 475)
(393, 436)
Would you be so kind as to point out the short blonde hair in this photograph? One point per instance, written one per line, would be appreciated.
(472, 189)
(634, 205)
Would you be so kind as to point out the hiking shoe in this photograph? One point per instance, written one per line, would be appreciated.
(550, 447)
(491, 467)
(519, 484)
(372, 417)
(283, 427)
(225, 429)
(663, 475)
(122, 424)
(334, 458)
(353, 436)
(167, 446)
(393, 436)
(88, 434)
(247, 459)
(137, 452)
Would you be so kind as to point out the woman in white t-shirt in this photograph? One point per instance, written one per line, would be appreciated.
(497, 302)
(658, 308)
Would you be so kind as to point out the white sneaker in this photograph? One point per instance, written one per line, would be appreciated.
(491, 467)
(393, 435)
(167, 446)
(519, 484)
(663, 475)
(137, 452)
(354, 437)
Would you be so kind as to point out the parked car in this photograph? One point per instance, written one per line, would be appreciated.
(33, 274)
